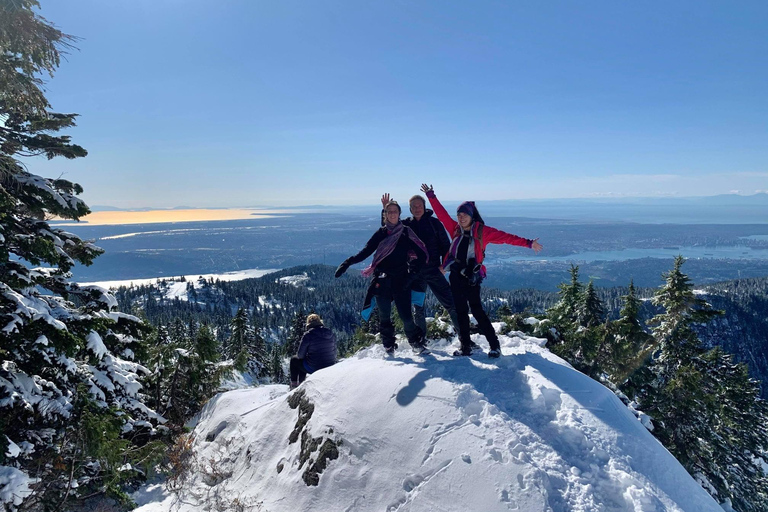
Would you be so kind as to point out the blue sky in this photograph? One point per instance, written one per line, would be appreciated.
(245, 103)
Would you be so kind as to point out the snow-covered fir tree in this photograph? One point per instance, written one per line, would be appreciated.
(71, 401)
(706, 410)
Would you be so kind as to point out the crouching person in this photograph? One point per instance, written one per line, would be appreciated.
(317, 350)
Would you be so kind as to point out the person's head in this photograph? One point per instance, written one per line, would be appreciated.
(314, 320)
(418, 206)
(464, 214)
(392, 212)
(467, 213)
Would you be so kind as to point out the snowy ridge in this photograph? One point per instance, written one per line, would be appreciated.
(178, 287)
(427, 433)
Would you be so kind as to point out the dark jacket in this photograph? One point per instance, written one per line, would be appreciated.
(399, 262)
(432, 233)
(317, 348)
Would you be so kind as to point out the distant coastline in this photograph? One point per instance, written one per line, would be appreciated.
(122, 217)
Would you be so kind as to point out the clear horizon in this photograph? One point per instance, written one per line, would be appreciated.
(335, 102)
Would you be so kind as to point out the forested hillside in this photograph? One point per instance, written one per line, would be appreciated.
(275, 299)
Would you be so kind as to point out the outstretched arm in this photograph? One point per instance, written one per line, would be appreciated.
(442, 214)
(497, 236)
(370, 248)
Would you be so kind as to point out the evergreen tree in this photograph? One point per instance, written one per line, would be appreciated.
(564, 313)
(161, 365)
(246, 347)
(195, 377)
(296, 332)
(673, 328)
(205, 376)
(573, 342)
(590, 310)
(276, 365)
(68, 358)
(240, 338)
(259, 356)
(630, 346)
(706, 411)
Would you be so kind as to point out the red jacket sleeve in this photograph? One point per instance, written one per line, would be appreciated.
(497, 236)
(442, 214)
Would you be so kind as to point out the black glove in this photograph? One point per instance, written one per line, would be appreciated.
(342, 268)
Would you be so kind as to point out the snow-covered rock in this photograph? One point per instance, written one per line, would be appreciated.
(426, 433)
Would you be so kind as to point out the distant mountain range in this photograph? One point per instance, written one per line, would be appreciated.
(722, 200)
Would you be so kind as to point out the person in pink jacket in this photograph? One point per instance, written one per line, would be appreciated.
(469, 237)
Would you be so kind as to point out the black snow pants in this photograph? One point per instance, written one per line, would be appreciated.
(466, 298)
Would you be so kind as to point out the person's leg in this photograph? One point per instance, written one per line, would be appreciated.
(297, 371)
(459, 291)
(403, 305)
(386, 328)
(442, 290)
(419, 317)
(483, 322)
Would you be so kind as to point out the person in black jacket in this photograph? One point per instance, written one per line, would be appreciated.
(317, 350)
(431, 231)
(399, 254)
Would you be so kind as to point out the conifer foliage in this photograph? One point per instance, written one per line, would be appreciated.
(706, 409)
(73, 413)
(245, 346)
(630, 346)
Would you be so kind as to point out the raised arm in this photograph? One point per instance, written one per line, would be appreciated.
(442, 214)
(497, 236)
(384, 200)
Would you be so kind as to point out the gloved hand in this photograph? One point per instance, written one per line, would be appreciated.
(342, 268)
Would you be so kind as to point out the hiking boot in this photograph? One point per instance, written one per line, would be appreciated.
(463, 352)
(420, 350)
(390, 350)
(493, 354)
(474, 346)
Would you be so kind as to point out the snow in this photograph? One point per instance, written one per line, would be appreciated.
(96, 344)
(13, 449)
(107, 298)
(297, 280)
(424, 433)
(237, 275)
(14, 486)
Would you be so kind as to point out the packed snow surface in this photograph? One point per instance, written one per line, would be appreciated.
(432, 433)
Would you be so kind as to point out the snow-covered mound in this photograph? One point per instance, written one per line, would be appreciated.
(432, 433)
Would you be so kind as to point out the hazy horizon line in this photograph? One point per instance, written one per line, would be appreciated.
(618, 198)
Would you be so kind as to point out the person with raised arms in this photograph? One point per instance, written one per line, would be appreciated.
(464, 260)
(432, 233)
(399, 254)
